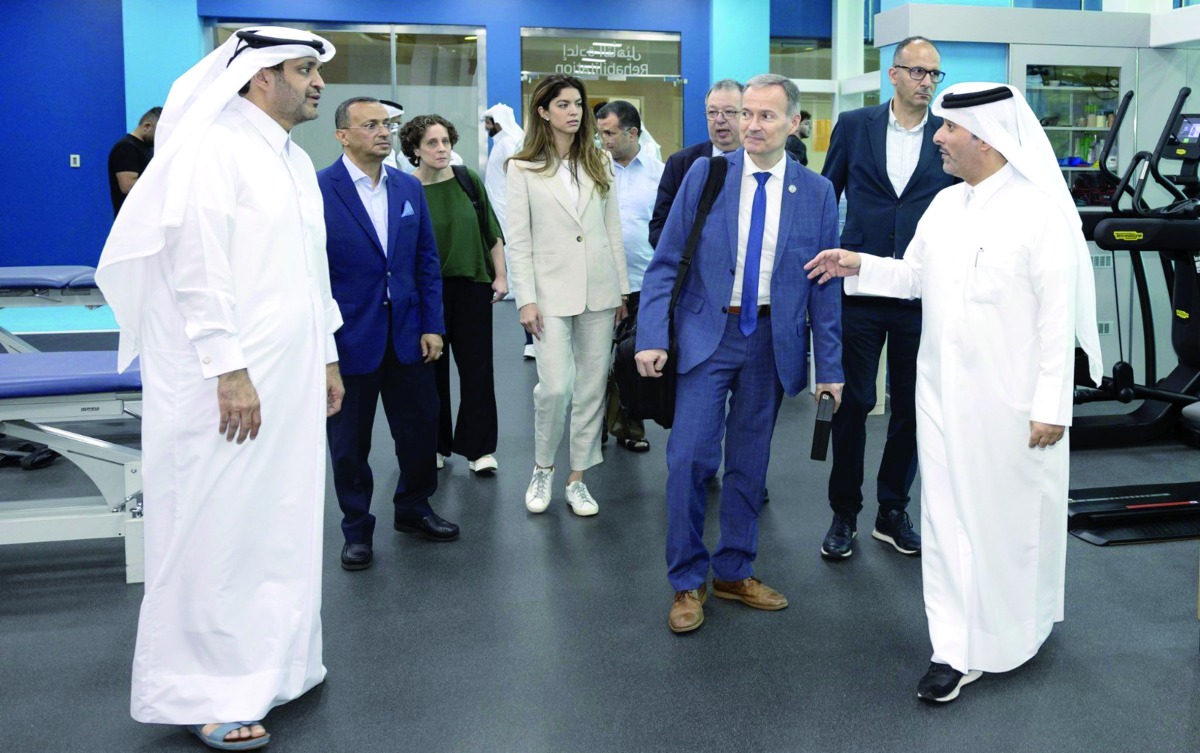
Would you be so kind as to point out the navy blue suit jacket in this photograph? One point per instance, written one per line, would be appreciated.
(362, 276)
(877, 220)
(674, 170)
(808, 223)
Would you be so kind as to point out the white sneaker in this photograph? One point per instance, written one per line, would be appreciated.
(537, 496)
(530, 352)
(441, 461)
(581, 501)
(484, 464)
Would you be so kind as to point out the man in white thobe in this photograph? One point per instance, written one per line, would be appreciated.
(1001, 267)
(218, 277)
(507, 137)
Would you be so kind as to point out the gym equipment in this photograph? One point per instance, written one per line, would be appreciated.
(1155, 512)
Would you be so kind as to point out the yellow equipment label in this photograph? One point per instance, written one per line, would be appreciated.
(1128, 235)
(1182, 314)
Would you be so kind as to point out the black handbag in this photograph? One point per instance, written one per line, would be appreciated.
(653, 398)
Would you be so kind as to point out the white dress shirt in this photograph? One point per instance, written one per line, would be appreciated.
(374, 198)
(903, 149)
(774, 188)
(637, 189)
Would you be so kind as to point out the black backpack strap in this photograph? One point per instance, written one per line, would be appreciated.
(717, 167)
(463, 176)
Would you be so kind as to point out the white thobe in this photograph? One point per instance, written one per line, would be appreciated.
(995, 268)
(495, 180)
(230, 624)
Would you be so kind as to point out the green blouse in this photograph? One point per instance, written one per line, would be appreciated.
(456, 229)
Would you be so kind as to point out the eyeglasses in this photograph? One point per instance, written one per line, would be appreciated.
(918, 73)
(371, 126)
(729, 114)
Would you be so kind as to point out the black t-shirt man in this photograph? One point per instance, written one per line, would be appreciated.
(130, 155)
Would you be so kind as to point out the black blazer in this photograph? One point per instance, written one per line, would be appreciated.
(672, 178)
(877, 220)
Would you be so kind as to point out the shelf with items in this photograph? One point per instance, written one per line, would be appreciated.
(1075, 105)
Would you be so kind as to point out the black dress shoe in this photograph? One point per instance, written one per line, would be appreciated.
(356, 556)
(943, 682)
(430, 526)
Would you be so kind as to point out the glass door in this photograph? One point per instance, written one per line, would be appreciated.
(642, 68)
(427, 69)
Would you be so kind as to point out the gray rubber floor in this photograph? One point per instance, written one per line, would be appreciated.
(548, 633)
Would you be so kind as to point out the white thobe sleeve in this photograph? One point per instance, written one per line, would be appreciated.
(203, 279)
(1053, 269)
(893, 278)
(495, 179)
(333, 314)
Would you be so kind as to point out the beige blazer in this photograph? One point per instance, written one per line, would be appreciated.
(561, 257)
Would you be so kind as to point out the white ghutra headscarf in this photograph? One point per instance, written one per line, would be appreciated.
(1000, 116)
(160, 197)
(504, 117)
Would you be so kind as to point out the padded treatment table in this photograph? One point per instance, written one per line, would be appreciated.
(45, 286)
(39, 389)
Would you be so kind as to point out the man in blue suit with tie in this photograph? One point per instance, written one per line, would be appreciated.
(386, 277)
(885, 162)
(740, 326)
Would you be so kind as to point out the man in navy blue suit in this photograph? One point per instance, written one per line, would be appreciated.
(386, 277)
(722, 106)
(740, 326)
(885, 162)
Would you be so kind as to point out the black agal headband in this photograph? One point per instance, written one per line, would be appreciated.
(254, 40)
(974, 99)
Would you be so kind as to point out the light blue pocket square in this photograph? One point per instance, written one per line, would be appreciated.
(408, 210)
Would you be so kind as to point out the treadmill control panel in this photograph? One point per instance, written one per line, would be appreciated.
(1185, 142)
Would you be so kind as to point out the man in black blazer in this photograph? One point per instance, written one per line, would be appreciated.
(723, 109)
(885, 162)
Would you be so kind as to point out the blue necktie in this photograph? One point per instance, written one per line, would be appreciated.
(758, 220)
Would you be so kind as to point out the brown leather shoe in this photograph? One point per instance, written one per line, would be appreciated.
(687, 611)
(751, 592)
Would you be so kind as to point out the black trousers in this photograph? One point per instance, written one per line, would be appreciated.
(617, 420)
(865, 326)
(410, 402)
(467, 307)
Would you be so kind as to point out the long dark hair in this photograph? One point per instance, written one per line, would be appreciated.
(539, 136)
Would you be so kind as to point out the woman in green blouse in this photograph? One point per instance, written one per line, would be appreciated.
(473, 278)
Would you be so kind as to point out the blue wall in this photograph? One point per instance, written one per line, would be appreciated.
(162, 40)
(802, 19)
(503, 21)
(741, 48)
(64, 94)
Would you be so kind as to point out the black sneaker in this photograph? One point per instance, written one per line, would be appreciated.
(894, 527)
(837, 543)
(942, 683)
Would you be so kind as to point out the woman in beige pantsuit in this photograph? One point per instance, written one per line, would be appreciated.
(567, 272)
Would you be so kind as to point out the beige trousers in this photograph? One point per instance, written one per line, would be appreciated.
(572, 364)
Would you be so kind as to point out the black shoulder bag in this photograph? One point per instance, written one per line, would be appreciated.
(653, 398)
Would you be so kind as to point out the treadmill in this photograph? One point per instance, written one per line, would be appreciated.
(1155, 512)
